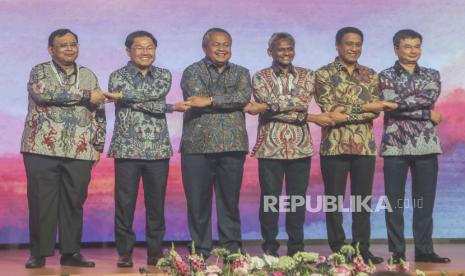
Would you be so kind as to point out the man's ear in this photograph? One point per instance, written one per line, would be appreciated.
(270, 52)
(50, 50)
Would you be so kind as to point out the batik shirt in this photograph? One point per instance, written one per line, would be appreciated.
(140, 131)
(283, 132)
(408, 130)
(61, 121)
(336, 89)
(220, 127)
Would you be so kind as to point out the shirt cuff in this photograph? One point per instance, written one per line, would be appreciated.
(85, 96)
(169, 108)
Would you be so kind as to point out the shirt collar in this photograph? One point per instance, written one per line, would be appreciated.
(133, 70)
(341, 67)
(61, 70)
(277, 71)
(399, 69)
(210, 64)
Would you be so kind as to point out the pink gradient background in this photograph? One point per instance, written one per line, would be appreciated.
(179, 25)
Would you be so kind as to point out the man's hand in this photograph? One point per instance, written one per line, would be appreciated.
(199, 101)
(113, 97)
(340, 109)
(390, 106)
(338, 117)
(374, 107)
(181, 106)
(323, 119)
(97, 97)
(254, 108)
(436, 117)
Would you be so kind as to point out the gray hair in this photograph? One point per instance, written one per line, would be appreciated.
(207, 34)
(278, 36)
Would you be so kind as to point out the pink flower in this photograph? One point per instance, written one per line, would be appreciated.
(342, 271)
(321, 259)
(277, 273)
(403, 266)
(361, 267)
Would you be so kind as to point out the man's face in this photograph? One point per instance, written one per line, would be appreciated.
(350, 48)
(142, 52)
(64, 49)
(409, 50)
(282, 52)
(218, 48)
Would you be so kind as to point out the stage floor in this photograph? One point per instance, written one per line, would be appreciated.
(12, 260)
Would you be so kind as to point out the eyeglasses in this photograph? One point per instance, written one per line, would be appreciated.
(65, 46)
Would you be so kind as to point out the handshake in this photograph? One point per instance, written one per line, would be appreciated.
(100, 97)
(338, 114)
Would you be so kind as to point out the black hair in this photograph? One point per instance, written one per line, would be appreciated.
(346, 30)
(130, 38)
(60, 32)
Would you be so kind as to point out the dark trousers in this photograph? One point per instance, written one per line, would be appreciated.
(201, 174)
(424, 171)
(56, 192)
(154, 175)
(271, 175)
(335, 170)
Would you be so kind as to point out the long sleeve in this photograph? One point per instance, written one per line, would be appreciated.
(420, 114)
(292, 109)
(101, 125)
(153, 107)
(237, 100)
(144, 100)
(192, 85)
(295, 103)
(43, 92)
(324, 95)
(100, 118)
(355, 116)
(134, 95)
(412, 99)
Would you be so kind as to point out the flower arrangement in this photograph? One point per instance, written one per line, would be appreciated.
(346, 262)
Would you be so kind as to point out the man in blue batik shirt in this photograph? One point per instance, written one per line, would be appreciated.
(214, 142)
(410, 142)
(140, 144)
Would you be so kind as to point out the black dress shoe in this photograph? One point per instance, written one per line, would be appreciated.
(368, 256)
(35, 262)
(397, 258)
(153, 259)
(75, 259)
(125, 261)
(431, 258)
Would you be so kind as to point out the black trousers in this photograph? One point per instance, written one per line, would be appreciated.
(424, 171)
(335, 170)
(201, 174)
(154, 175)
(271, 175)
(56, 192)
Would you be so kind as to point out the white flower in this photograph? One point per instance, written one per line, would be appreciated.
(213, 270)
(257, 263)
(270, 260)
(242, 270)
